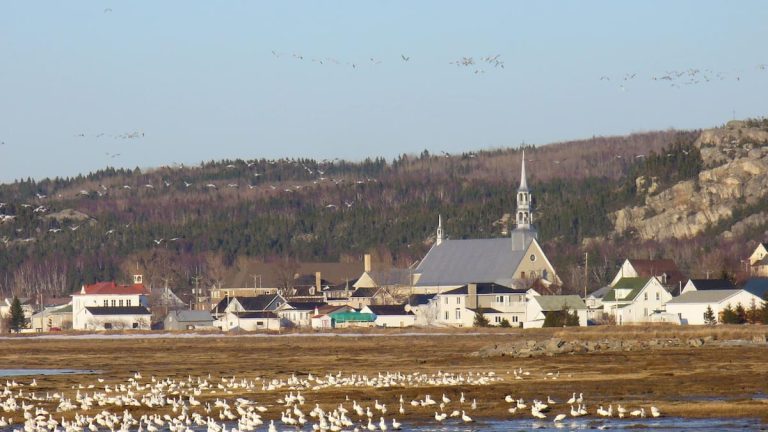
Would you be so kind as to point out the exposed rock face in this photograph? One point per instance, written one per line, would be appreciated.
(737, 158)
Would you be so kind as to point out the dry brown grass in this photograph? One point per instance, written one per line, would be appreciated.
(701, 382)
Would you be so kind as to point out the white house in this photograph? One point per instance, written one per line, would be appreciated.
(539, 307)
(759, 260)
(633, 300)
(665, 270)
(594, 302)
(459, 306)
(708, 284)
(391, 315)
(691, 306)
(298, 313)
(250, 321)
(108, 306)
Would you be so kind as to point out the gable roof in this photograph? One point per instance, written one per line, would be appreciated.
(257, 303)
(118, 310)
(459, 262)
(635, 285)
(191, 315)
(389, 310)
(658, 267)
(365, 292)
(557, 302)
(704, 296)
(486, 289)
(420, 299)
(102, 288)
(757, 286)
(712, 284)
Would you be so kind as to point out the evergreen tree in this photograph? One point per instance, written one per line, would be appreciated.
(18, 321)
(481, 320)
(561, 318)
(709, 316)
(753, 313)
(741, 314)
(728, 315)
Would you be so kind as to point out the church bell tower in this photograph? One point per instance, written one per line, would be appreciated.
(524, 217)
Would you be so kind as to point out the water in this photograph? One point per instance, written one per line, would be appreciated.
(664, 424)
(41, 372)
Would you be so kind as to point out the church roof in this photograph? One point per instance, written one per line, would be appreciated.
(523, 181)
(460, 262)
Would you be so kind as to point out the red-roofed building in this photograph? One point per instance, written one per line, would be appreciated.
(109, 306)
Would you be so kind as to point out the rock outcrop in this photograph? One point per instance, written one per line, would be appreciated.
(736, 174)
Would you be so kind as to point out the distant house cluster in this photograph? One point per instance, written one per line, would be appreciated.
(506, 281)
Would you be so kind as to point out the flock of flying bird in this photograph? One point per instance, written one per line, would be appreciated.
(679, 78)
(228, 404)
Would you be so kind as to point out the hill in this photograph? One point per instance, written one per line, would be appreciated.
(176, 223)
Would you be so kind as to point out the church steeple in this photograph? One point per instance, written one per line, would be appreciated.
(439, 237)
(524, 217)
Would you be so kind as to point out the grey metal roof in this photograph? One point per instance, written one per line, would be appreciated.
(191, 315)
(600, 293)
(557, 302)
(459, 262)
(706, 296)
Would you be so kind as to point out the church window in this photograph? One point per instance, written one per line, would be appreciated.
(532, 257)
(522, 275)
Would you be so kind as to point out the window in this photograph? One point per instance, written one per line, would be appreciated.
(107, 326)
(114, 303)
(259, 323)
(128, 303)
(645, 311)
(497, 319)
(532, 257)
(446, 300)
(458, 313)
(522, 275)
(446, 315)
(106, 303)
(121, 303)
(658, 296)
(645, 296)
(499, 299)
(514, 318)
(458, 300)
(135, 325)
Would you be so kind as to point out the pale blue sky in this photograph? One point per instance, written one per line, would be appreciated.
(200, 80)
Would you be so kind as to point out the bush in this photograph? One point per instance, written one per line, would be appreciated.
(561, 318)
(505, 323)
(729, 315)
(481, 320)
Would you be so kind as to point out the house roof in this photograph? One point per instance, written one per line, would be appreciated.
(601, 292)
(310, 306)
(761, 262)
(256, 315)
(704, 296)
(712, 284)
(757, 286)
(557, 302)
(118, 310)
(190, 315)
(486, 289)
(635, 285)
(420, 299)
(353, 316)
(391, 277)
(459, 262)
(365, 292)
(658, 267)
(389, 310)
(257, 303)
(55, 310)
(272, 273)
(102, 288)
(486, 310)
(165, 297)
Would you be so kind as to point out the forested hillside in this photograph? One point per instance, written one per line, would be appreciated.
(179, 222)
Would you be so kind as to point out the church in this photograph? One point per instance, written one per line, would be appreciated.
(512, 261)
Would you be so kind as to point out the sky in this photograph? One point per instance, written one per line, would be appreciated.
(90, 84)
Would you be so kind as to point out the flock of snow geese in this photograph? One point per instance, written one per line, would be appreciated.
(685, 77)
(219, 405)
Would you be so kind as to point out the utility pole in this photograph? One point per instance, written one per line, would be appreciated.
(196, 292)
(586, 273)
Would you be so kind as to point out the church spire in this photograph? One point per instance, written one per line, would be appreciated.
(523, 180)
(439, 236)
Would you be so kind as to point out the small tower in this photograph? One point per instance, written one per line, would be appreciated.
(439, 237)
(524, 217)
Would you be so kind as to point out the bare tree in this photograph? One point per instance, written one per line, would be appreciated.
(285, 271)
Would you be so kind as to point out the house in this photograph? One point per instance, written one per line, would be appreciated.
(708, 285)
(423, 307)
(339, 294)
(454, 263)
(268, 302)
(365, 296)
(53, 318)
(188, 320)
(322, 320)
(665, 270)
(459, 306)
(298, 313)
(251, 278)
(250, 321)
(758, 261)
(594, 303)
(691, 306)
(27, 307)
(391, 315)
(395, 283)
(109, 306)
(539, 307)
(634, 299)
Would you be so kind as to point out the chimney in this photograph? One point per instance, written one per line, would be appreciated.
(471, 296)
(318, 282)
(367, 263)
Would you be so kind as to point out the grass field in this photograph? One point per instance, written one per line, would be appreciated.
(699, 382)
